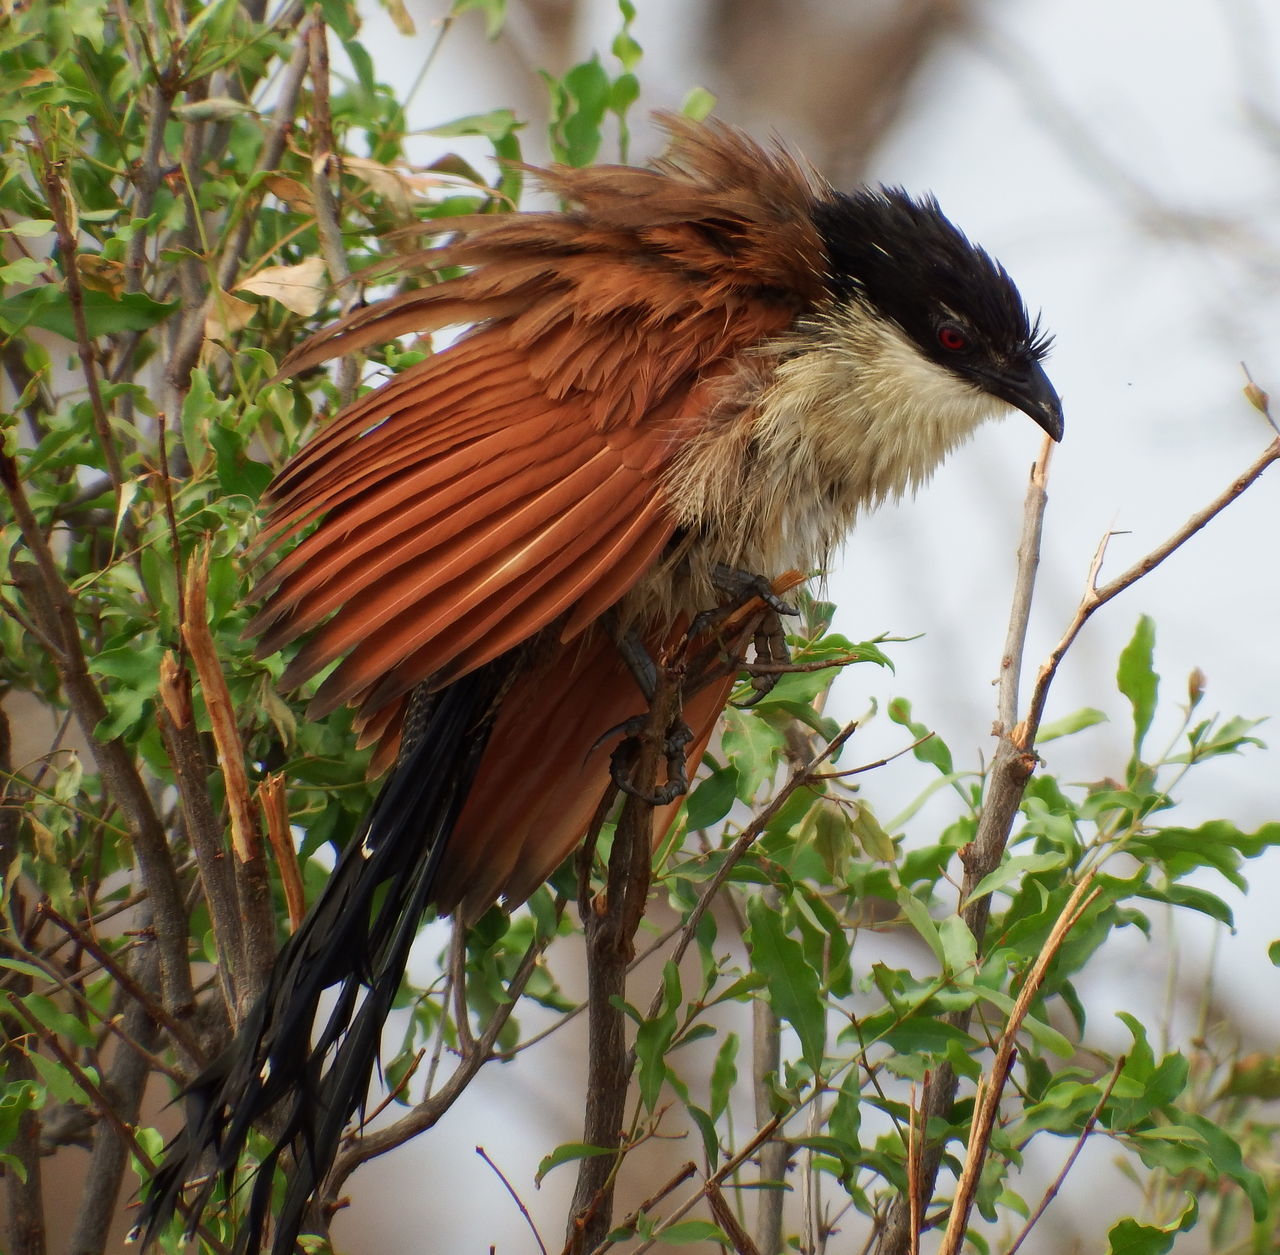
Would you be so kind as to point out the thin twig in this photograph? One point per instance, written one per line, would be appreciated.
(722, 1174)
(431, 1109)
(100, 1100)
(877, 764)
(176, 721)
(125, 1080)
(766, 1061)
(50, 603)
(1012, 767)
(724, 1216)
(1052, 1192)
(1020, 609)
(249, 865)
(68, 249)
(987, 1102)
(179, 1031)
(1097, 597)
(915, 1182)
(610, 925)
(686, 1171)
(747, 838)
(515, 1198)
(326, 159)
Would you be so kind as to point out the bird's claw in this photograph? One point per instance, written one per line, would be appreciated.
(678, 737)
(771, 651)
(746, 584)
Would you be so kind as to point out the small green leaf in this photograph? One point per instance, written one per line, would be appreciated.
(31, 228)
(712, 799)
(653, 1039)
(1017, 866)
(959, 949)
(685, 1232)
(920, 919)
(793, 985)
(1137, 680)
(49, 308)
(724, 1074)
(932, 748)
(494, 125)
(568, 1152)
(698, 104)
(1085, 717)
(1128, 1237)
(495, 14)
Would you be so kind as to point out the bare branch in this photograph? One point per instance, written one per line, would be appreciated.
(50, 604)
(524, 1211)
(990, 1089)
(1024, 585)
(249, 865)
(1097, 597)
(428, 1112)
(1056, 1184)
(204, 829)
(1011, 769)
(610, 925)
(68, 248)
(326, 160)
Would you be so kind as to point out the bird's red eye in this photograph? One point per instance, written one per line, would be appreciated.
(952, 338)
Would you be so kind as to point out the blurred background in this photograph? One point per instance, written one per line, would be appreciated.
(1122, 158)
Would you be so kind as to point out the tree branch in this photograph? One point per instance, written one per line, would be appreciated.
(1014, 763)
(51, 606)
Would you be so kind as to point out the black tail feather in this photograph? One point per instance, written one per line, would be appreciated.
(357, 937)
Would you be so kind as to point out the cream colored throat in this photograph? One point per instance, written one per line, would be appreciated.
(838, 418)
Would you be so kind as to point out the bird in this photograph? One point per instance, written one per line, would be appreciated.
(693, 371)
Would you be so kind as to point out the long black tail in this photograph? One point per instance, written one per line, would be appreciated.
(347, 940)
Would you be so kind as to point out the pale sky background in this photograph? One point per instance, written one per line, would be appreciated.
(1122, 158)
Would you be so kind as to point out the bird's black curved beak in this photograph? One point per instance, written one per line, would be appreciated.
(1027, 388)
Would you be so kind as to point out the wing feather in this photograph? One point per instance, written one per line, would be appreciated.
(517, 478)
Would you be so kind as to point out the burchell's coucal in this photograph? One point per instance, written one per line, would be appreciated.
(713, 364)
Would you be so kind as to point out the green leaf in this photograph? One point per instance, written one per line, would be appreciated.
(684, 1232)
(959, 949)
(53, 1018)
(698, 104)
(724, 1074)
(794, 991)
(653, 1039)
(495, 14)
(49, 308)
(1128, 1237)
(1193, 899)
(932, 748)
(920, 919)
(31, 228)
(61, 1084)
(495, 125)
(1085, 717)
(712, 799)
(1137, 680)
(1225, 1152)
(568, 1152)
(1017, 866)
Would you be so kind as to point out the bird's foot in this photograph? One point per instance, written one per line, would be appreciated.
(743, 585)
(770, 652)
(624, 757)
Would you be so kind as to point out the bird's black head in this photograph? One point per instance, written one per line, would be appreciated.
(905, 261)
